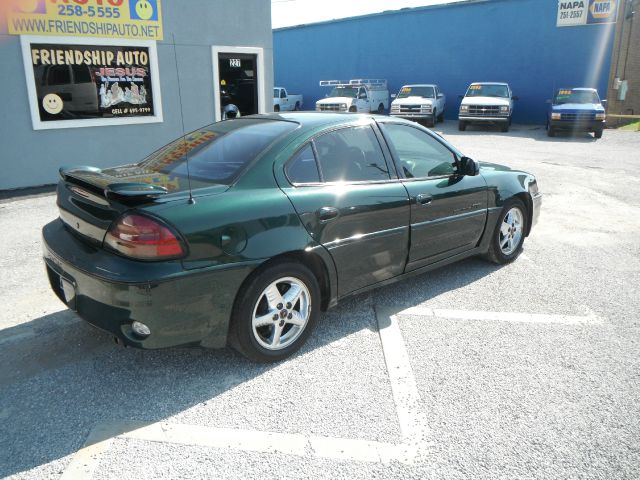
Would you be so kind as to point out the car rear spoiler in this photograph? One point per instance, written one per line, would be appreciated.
(99, 183)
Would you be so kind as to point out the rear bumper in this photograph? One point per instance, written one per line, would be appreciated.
(110, 292)
(579, 126)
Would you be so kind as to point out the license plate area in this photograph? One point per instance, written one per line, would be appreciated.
(63, 287)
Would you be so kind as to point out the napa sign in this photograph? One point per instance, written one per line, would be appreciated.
(586, 12)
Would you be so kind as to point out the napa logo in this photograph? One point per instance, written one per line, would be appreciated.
(602, 9)
(571, 5)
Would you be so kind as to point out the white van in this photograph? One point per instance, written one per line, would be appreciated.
(358, 95)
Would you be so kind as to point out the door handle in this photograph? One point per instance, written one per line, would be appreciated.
(328, 213)
(423, 199)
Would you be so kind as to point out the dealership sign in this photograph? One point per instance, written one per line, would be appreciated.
(105, 82)
(139, 19)
(586, 12)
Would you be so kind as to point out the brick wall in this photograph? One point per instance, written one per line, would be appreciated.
(625, 63)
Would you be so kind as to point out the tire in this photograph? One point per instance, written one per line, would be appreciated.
(462, 125)
(276, 108)
(441, 117)
(434, 119)
(353, 109)
(297, 107)
(551, 132)
(504, 127)
(267, 325)
(508, 235)
(381, 109)
(598, 133)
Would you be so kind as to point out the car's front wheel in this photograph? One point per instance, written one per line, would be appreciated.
(275, 312)
(462, 125)
(508, 236)
(598, 133)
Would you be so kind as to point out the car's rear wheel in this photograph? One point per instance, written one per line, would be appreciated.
(462, 125)
(508, 236)
(297, 107)
(275, 312)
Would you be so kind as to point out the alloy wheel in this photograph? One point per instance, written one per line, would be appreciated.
(511, 231)
(281, 313)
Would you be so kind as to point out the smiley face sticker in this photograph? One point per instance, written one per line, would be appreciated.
(143, 9)
(52, 104)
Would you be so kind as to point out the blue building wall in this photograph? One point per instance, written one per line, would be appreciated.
(514, 41)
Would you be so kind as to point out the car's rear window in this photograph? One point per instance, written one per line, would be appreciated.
(219, 152)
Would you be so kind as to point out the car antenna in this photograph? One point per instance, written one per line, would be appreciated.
(184, 133)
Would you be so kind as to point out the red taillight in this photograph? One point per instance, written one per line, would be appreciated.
(144, 238)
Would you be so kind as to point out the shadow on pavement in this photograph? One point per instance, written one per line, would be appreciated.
(61, 376)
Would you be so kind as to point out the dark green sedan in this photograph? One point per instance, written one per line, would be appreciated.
(243, 231)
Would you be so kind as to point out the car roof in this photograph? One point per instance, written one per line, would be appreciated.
(420, 85)
(315, 119)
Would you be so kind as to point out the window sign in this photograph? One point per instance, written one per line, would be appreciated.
(586, 12)
(234, 63)
(93, 83)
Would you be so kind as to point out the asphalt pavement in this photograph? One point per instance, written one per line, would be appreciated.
(473, 371)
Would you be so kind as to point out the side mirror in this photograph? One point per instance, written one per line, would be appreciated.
(440, 95)
(603, 101)
(393, 95)
(515, 98)
(468, 166)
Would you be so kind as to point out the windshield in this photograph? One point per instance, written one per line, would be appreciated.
(276, 93)
(575, 96)
(424, 92)
(488, 90)
(217, 152)
(344, 92)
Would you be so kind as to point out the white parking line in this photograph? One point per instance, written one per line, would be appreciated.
(517, 317)
(411, 417)
(403, 383)
(413, 425)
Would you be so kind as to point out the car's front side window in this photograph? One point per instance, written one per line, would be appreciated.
(418, 153)
(351, 155)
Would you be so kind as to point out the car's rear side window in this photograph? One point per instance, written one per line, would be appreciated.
(303, 167)
(219, 152)
(351, 155)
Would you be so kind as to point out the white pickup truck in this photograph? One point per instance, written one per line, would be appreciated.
(420, 102)
(283, 101)
(357, 95)
(487, 102)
